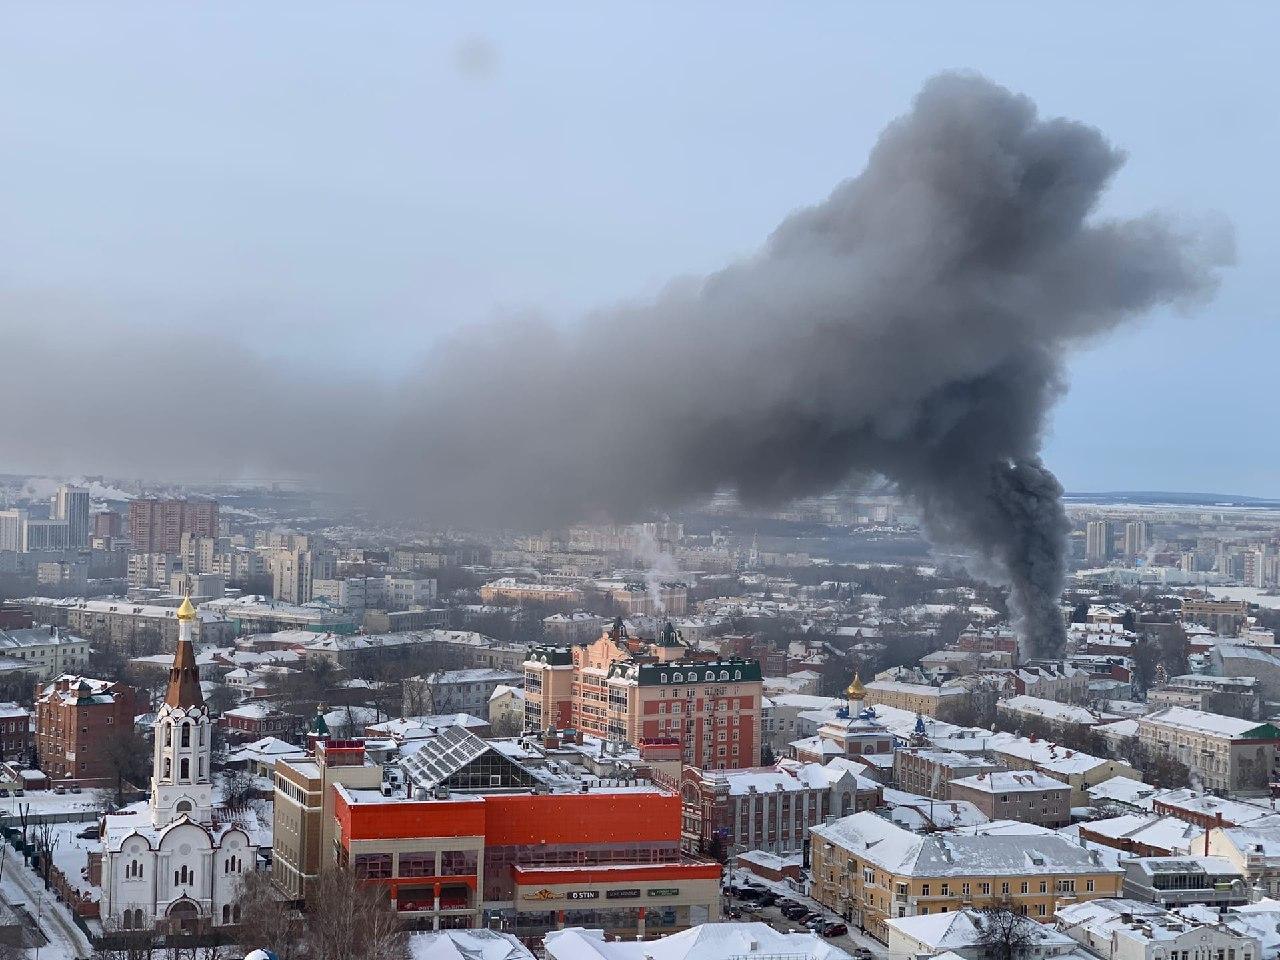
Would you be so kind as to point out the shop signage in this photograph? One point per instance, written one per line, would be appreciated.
(631, 893)
(584, 895)
(665, 892)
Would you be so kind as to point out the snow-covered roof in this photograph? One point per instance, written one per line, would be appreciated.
(1054, 711)
(1011, 781)
(902, 852)
(1198, 721)
(708, 941)
(478, 944)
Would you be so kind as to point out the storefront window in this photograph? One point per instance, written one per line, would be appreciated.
(418, 864)
(372, 866)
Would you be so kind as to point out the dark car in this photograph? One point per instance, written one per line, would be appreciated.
(768, 898)
(796, 912)
(89, 833)
(787, 902)
(835, 929)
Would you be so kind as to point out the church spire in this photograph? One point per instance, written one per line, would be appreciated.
(184, 676)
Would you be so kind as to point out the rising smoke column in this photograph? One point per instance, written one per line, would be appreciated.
(913, 325)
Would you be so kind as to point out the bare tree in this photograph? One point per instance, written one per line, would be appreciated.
(127, 757)
(1004, 932)
(46, 841)
(237, 787)
(266, 920)
(350, 920)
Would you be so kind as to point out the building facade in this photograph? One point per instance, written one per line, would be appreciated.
(74, 716)
(157, 526)
(1226, 753)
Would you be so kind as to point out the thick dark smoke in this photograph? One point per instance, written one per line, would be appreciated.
(913, 324)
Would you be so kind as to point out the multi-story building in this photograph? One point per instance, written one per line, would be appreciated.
(1235, 696)
(484, 841)
(1024, 795)
(48, 650)
(455, 691)
(120, 622)
(729, 811)
(1224, 617)
(620, 688)
(1098, 540)
(510, 590)
(569, 628)
(45, 534)
(157, 526)
(64, 574)
(867, 870)
(303, 825)
(149, 571)
(928, 772)
(253, 721)
(74, 716)
(1226, 753)
(1135, 538)
(1121, 929)
(71, 504)
(108, 524)
(1075, 768)
(941, 702)
(295, 571)
(15, 733)
(639, 600)
(1183, 881)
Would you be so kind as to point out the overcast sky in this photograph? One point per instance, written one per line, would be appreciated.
(342, 184)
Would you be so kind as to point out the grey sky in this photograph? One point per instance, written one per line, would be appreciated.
(340, 184)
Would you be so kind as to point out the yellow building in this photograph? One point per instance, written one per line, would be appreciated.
(869, 870)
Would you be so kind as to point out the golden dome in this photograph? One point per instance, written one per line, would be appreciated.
(855, 690)
(186, 611)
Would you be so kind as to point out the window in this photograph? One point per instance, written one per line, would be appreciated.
(186, 735)
(945, 890)
(1026, 887)
(184, 769)
(1040, 910)
(417, 864)
(1088, 885)
(924, 889)
(985, 888)
(1044, 886)
(964, 888)
(372, 866)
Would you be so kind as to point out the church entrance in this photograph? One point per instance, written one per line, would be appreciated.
(184, 917)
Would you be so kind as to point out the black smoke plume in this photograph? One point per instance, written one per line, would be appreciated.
(913, 324)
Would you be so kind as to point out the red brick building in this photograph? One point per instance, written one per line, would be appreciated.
(253, 721)
(74, 717)
(624, 688)
(15, 733)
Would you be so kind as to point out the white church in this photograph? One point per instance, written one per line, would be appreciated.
(173, 865)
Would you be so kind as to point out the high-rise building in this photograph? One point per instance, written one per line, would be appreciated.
(1135, 538)
(72, 505)
(20, 532)
(12, 527)
(157, 526)
(108, 523)
(1098, 540)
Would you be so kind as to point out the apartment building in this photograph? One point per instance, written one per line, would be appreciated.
(510, 590)
(15, 733)
(1224, 617)
(869, 870)
(1026, 795)
(1226, 753)
(942, 702)
(455, 691)
(1077, 769)
(74, 715)
(47, 651)
(623, 688)
(122, 623)
(770, 808)
(927, 772)
(157, 526)
(1122, 929)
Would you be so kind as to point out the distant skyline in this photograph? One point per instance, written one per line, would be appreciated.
(339, 187)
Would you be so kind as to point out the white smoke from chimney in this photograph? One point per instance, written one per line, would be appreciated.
(660, 566)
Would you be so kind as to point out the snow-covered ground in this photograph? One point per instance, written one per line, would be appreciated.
(852, 941)
(46, 801)
(21, 887)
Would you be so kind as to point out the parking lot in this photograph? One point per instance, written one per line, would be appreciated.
(856, 944)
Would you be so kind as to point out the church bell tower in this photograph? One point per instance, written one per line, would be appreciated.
(181, 778)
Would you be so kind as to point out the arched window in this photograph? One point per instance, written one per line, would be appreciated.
(168, 768)
(200, 766)
(226, 913)
(186, 735)
(184, 769)
(711, 675)
(128, 919)
(168, 734)
(235, 917)
(184, 806)
(677, 677)
(724, 674)
(737, 674)
(203, 734)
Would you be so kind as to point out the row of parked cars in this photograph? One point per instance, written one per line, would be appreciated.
(795, 911)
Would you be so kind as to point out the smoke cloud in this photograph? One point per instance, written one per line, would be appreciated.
(913, 324)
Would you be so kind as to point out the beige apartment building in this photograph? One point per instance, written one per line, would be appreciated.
(1221, 616)
(1226, 753)
(940, 702)
(869, 870)
(1024, 795)
(303, 833)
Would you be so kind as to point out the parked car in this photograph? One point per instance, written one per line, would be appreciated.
(89, 833)
(60, 790)
(75, 788)
(837, 929)
(795, 911)
(862, 953)
(768, 898)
